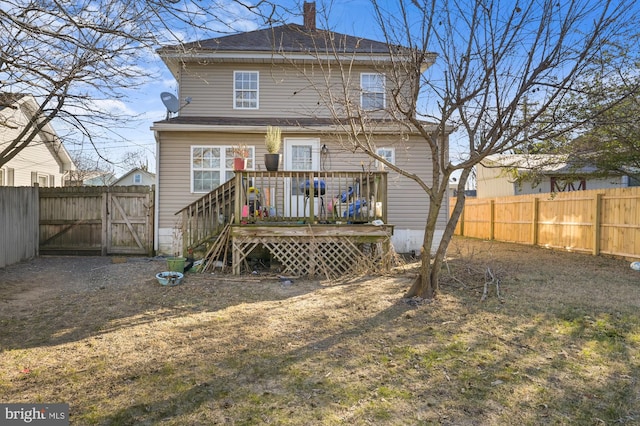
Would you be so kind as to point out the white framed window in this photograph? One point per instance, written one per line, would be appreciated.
(7, 176)
(137, 178)
(373, 91)
(388, 154)
(43, 180)
(246, 89)
(211, 166)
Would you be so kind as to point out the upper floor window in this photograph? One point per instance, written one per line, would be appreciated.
(137, 178)
(373, 92)
(211, 166)
(245, 89)
(388, 154)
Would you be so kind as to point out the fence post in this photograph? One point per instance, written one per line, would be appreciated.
(597, 213)
(534, 224)
(461, 219)
(492, 217)
(106, 211)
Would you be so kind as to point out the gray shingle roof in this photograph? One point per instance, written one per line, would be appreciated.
(287, 38)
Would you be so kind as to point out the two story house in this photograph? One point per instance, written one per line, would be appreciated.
(45, 161)
(301, 79)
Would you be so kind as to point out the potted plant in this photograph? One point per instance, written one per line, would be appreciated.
(241, 153)
(273, 142)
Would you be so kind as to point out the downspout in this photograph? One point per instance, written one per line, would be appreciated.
(156, 207)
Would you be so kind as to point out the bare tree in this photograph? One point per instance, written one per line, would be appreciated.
(134, 159)
(492, 57)
(88, 167)
(80, 58)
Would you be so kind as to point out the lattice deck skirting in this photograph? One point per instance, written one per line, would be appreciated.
(313, 250)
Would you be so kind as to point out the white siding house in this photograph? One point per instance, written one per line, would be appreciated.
(136, 176)
(45, 161)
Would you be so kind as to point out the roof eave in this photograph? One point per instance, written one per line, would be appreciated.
(392, 128)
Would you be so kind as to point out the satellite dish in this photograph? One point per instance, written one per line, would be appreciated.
(170, 101)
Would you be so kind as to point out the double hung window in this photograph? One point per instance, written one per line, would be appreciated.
(245, 89)
(372, 86)
(388, 154)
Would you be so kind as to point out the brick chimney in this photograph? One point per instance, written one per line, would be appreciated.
(309, 14)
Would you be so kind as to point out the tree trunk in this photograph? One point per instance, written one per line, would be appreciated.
(427, 282)
(423, 286)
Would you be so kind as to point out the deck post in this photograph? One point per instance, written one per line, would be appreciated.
(239, 198)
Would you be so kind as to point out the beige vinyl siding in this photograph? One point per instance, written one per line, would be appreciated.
(283, 90)
(407, 202)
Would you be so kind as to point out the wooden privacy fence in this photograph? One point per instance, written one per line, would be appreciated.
(96, 220)
(596, 221)
(18, 224)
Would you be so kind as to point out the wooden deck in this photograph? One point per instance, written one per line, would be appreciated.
(311, 223)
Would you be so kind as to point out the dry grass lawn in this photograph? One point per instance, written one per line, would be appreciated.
(560, 346)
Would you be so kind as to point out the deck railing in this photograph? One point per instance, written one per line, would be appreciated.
(207, 216)
(310, 197)
(287, 198)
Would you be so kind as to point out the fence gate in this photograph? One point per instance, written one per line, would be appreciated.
(96, 220)
(129, 224)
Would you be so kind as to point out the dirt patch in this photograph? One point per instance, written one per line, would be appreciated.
(560, 345)
(47, 277)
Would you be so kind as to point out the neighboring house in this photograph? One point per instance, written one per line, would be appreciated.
(453, 189)
(518, 174)
(239, 84)
(99, 179)
(137, 176)
(45, 161)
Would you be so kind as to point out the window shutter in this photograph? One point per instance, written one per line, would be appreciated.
(10, 177)
(52, 181)
(34, 178)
